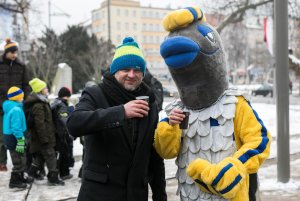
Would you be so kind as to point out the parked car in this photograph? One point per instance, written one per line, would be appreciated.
(264, 90)
(167, 93)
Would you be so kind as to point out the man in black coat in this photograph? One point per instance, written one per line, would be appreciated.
(12, 73)
(120, 159)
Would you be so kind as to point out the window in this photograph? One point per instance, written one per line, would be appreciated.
(157, 39)
(144, 27)
(118, 25)
(151, 39)
(144, 39)
(126, 13)
(95, 29)
(126, 25)
(157, 15)
(134, 13)
(150, 27)
(119, 38)
(96, 15)
(118, 12)
(150, 14)
(134, 26)
(157, 27)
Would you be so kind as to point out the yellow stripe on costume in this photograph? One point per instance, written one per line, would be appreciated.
(181, 18)
(212, 178)
(252, 138)
(167, 140)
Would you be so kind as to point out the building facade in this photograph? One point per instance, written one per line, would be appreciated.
(144, 24)
(129, 18)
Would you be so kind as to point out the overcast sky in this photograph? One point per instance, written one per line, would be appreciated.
(80, 10)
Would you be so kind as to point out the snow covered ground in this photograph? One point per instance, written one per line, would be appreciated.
(269, 187)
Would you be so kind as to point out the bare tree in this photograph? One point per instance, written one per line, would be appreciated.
(97, 59)
(45, 57)
(236, 10)
(17, 6)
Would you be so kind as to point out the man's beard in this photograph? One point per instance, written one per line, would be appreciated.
(130, 87)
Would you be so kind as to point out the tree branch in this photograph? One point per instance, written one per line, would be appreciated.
(237, 16)
(10, 8)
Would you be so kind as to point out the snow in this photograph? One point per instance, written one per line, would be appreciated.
(62, 65)
(269, 184)
(40, 191)
(294, 59)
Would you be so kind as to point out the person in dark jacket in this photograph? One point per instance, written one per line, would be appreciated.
(12, 73)
(118, 131)
(61, 113)
(42, 134)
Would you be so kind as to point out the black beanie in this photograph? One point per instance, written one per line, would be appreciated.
(64, 91)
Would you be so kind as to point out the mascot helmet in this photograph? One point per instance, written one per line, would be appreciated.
(194, 53)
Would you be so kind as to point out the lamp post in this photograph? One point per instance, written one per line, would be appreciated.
(282, 89)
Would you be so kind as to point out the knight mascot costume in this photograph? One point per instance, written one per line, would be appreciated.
(225, 141)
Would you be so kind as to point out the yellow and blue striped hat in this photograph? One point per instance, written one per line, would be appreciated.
(128, 55)
(15, 94)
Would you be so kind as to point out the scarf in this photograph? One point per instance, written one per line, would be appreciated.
(116, 94)
(43, 98)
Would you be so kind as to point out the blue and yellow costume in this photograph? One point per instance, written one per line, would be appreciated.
(226, 140)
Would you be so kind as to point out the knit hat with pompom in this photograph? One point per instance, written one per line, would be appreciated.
(10, 46)
(128, 55)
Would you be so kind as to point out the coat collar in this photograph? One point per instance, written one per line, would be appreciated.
(17, 61)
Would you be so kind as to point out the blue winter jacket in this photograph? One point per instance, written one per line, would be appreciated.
(14, 123)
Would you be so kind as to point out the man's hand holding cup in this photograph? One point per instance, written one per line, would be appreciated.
(137, 108)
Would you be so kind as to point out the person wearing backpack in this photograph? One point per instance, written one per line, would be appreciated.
(60, 112)
(42, 134)
(14, 126)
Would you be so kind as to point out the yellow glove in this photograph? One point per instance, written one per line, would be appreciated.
(225, 178)
(167, 139)
(181, 18)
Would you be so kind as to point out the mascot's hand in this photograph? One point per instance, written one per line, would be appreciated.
(167, 139)
(176, 117)
(224, 178)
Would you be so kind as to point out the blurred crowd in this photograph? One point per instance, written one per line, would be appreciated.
(32, 130)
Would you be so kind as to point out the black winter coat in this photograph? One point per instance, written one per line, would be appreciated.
(112, 172)
(12, 73)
